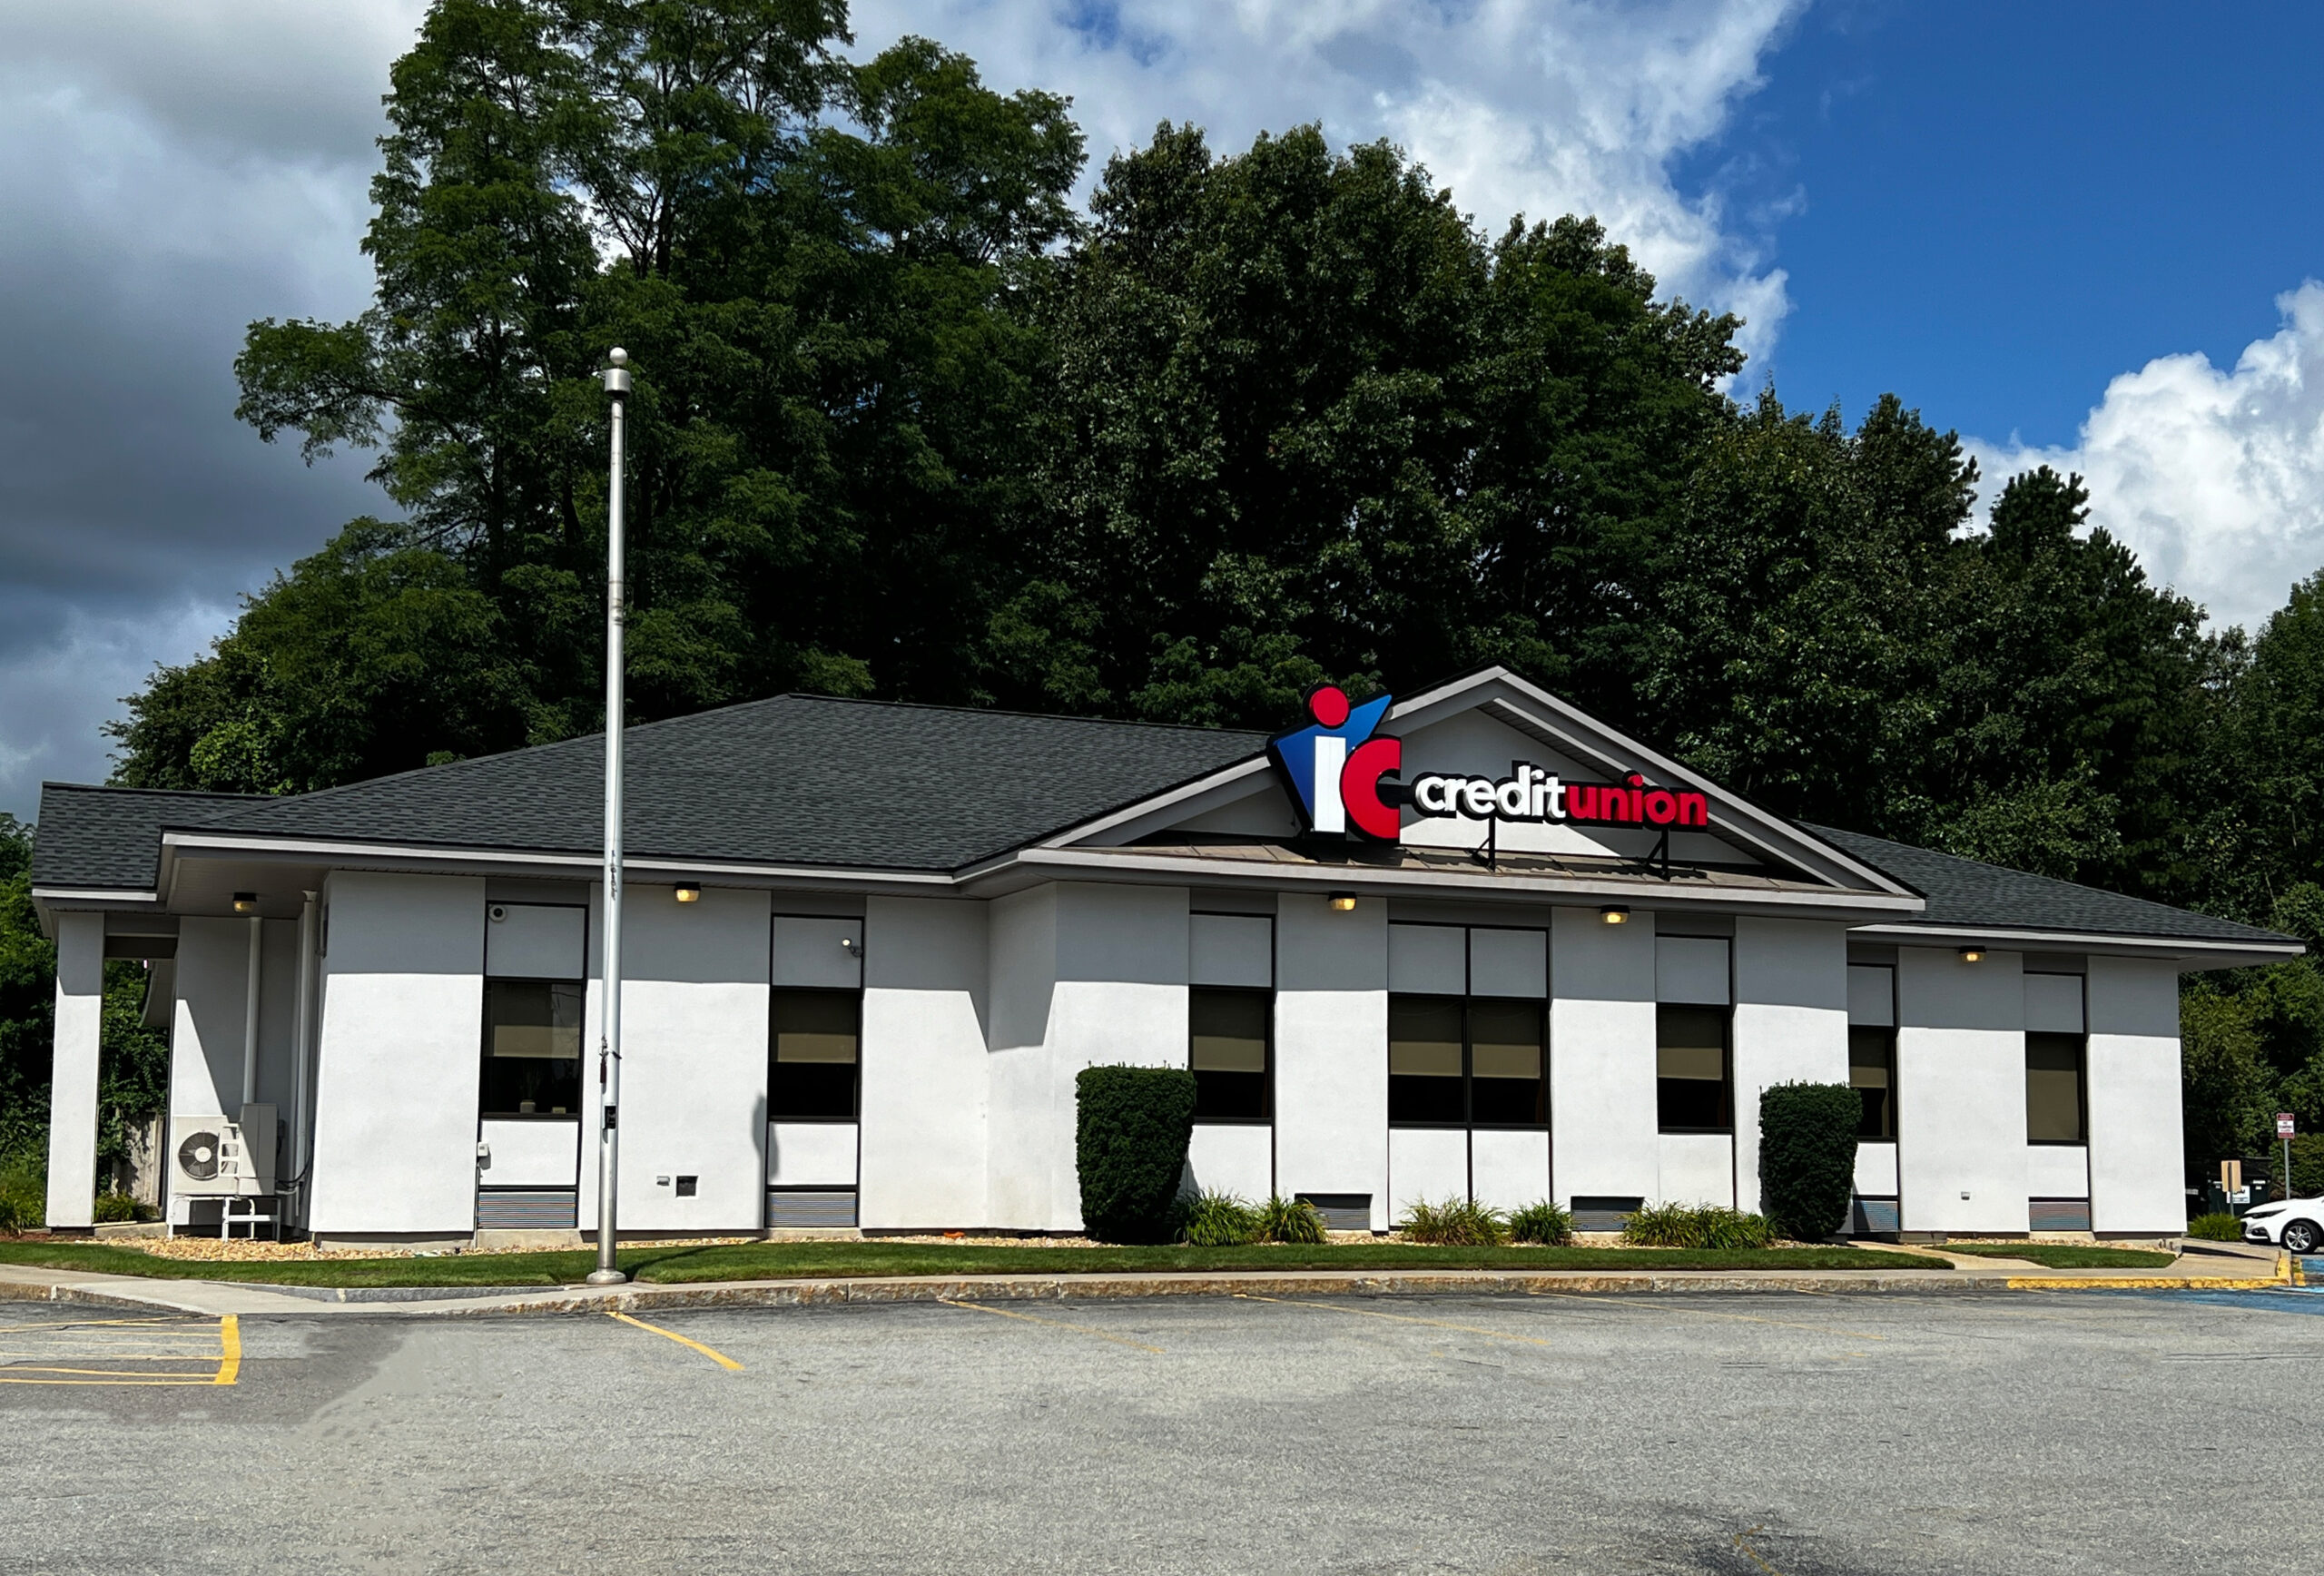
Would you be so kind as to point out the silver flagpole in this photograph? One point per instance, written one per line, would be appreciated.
(617, 379)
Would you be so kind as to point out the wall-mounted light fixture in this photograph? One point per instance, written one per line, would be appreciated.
(688, 892)
(1343, 902)
(851, 947)
(1614, 914)
(1972, 954)
(246, 902)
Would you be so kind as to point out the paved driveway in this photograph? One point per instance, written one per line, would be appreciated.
(1795, 1434)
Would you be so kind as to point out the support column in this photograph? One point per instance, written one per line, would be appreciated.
(72, 1080)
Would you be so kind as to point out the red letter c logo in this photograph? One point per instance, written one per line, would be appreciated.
(1359, 787)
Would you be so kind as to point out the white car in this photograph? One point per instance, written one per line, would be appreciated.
(2294, 1225)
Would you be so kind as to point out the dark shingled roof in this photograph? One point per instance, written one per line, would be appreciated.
(1962, 893)
(95, 838)
(795, 780)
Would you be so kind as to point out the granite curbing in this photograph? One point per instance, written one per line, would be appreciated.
(256, 1299)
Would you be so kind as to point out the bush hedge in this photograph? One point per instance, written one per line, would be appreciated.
(1543, 1223)
(1223, 1220)
(1130, 1139)
(2216, 1229)
(1808, 1136)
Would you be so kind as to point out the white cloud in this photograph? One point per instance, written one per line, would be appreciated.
(2215, 478)
(1536, 107)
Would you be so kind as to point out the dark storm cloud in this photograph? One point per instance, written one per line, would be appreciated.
(168, 172)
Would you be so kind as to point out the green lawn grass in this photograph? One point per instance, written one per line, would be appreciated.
(2065, 1254)
(775, 1260)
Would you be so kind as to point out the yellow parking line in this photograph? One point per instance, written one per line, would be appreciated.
(91, 1324)
(123, 1383)
(114, 1373)
(229, 1358)
(720, 1358)
(1054, 1324)
(230, 1349)
(1400, 1318)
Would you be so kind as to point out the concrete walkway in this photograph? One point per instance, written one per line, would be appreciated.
(1965, 1273)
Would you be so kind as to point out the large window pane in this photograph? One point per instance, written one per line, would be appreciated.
(532, 1049)
(816, 1035)
(1872, 1069)
(1505, 1061)
(1424, 1061)
(1691, 1089)
(1228, 1053)
(2053, 1089)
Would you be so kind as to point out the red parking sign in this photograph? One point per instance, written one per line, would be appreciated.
(2283, 1125)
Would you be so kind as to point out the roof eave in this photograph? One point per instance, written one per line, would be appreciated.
(2199, 951)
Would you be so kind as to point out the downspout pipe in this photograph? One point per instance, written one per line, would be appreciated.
(249, 1015)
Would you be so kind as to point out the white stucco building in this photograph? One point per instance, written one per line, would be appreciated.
(1478, 945)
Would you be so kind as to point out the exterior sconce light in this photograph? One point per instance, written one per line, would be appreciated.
(246, 902)
(688, 892)
(1972, 954)
(1343, 902)
(1615, 915)
(849, 945)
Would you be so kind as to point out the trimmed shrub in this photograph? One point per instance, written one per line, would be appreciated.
(1807, 1136)
(2216, 1229)
(1219, 1220)
(1696, 1225)
(1131, 1139)
(1292, 1221)
(1455, 1223)
(1544, 1222)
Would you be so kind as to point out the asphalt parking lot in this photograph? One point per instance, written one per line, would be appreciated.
(1794, 1435)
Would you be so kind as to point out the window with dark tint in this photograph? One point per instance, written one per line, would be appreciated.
(532, 1049)
(1425, 1056)
(816, 1035)
(1456, 1063)
(1871, 1069)
(1228, 1053)
(2053, 1089)
(1506, 1088)
(1691, 1089)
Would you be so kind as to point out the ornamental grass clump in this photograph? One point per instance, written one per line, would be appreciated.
(1543, 1223)
(1132, 1128)
(1216, 1219)
(1696, 1225)
(1294, 1222)
(1455, 1223)
(2215, 1228)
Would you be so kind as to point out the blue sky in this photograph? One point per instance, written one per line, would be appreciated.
(2081, 234)
(1993, 208)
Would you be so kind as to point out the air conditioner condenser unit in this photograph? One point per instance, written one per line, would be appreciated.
(212, 1158)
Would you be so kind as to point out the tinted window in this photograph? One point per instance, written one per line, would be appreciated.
(1691, 1087)
(1424, 1055)
(1872, 1069)
(816, 1035)
(2053, 1089)
(532, 1049)
(1228, 1053)
(1505, 1045)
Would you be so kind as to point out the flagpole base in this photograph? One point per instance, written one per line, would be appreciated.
(605, 1277)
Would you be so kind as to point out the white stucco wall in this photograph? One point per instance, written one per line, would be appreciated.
(2137, 1150)
(926, 1071)
(1961, 1091)
(1791, 1022)
(72, 1070)
(1236, 1157)
(1695, 1168)
(1603, 1128)
(1084, 974)
(1425, 1164)
(401, 1050)
(211, 986)
(1509, 1167)
(1331, 1027)
(693, 1096)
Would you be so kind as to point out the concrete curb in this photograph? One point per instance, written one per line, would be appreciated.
(254, 1299)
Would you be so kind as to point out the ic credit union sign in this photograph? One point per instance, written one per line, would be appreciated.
(1347, 776)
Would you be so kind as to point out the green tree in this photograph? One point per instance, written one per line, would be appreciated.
(27, 998)
(1305, 420)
